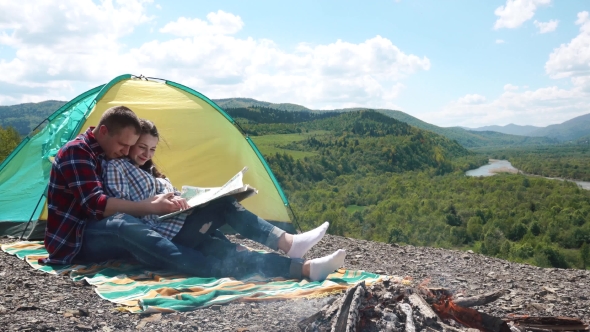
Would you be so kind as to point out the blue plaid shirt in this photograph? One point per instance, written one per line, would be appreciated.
(122, 179)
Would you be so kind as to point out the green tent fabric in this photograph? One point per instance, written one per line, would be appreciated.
(219, 151)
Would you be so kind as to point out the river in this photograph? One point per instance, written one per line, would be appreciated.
(496, 166)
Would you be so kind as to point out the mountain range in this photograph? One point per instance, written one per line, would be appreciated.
(510, 129)
(569, 130)
(25, 117)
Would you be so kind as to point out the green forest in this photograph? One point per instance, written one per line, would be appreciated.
(9, 139)
(381, 179)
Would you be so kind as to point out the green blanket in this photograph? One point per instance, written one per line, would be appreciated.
(140, 290)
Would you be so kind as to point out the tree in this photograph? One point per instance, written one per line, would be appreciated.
(9, 139)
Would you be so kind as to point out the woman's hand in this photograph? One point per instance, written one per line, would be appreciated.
(162, 204)
(180, 202)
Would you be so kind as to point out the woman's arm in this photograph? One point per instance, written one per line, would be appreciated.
(164, 186)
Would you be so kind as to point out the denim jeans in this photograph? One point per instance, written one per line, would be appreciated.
(122, 236)
(200, 231)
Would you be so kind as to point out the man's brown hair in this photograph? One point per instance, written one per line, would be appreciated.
(117, 118)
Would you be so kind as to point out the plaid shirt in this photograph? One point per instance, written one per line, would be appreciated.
(74, 197)
(122, 179)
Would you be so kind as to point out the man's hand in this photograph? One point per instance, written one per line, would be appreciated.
(162, 204)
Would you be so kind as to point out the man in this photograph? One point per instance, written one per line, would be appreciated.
(84, 224)
(75, 197)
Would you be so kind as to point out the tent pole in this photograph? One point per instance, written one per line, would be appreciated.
(32, 214)
(295, 218)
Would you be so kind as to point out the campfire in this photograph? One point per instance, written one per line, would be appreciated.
(393, 305)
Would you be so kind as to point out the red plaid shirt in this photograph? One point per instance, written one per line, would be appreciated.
(75, 196)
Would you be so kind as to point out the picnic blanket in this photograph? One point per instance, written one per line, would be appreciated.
(140, 290)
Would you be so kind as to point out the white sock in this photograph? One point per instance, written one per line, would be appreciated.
(304, 241)
(320, 268)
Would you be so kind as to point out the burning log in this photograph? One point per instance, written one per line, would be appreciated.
(392, 306)
(447, 309)
(479, 300)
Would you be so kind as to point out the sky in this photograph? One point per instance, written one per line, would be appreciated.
(449, 63)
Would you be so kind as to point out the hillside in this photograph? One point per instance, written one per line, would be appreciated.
(466, 138)
(249, 102)
(351, 141)
(530, 291)
(25, 117)
(510, 129)
(570, 130)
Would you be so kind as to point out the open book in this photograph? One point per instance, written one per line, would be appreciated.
(197, 196)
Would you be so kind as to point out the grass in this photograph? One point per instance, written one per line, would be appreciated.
(271, 144)
(354, 208)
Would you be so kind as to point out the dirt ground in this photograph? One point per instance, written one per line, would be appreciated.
(35, 301)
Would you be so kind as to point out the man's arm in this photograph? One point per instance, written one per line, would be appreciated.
(78, 169)
(159, 204)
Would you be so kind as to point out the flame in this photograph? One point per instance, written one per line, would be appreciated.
(447, 309)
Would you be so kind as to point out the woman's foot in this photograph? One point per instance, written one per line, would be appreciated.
(301, 243)
(319, 268)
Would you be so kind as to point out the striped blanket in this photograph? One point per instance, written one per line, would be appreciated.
(139, 290)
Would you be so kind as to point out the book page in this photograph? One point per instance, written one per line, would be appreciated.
(200, 196)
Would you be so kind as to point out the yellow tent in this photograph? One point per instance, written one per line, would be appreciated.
(200, 145)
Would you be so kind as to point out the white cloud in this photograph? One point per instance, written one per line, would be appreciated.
(545, 27)
(510, 87)
(204, 54)
(573, 59)
(66, 41)
(316, 76)
(539, 107)
(473, 99)
(516, 12)
(220, 23)
(500, 41)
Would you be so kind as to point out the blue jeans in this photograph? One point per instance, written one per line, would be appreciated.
(196, 249)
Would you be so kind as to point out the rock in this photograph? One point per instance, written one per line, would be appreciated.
(216, 307)
(83, 328)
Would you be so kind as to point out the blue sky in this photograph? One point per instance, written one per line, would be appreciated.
(450, 63)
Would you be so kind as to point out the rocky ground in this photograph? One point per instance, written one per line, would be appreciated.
(35, 301)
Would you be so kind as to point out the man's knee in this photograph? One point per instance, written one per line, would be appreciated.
(122, 221)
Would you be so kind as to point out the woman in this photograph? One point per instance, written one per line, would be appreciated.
(135, 178)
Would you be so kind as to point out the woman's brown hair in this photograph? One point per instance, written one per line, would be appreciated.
(148, 127)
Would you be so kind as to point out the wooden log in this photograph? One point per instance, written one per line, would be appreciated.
(353, 311)
(478, 300)
(407, 309)
(341, 318)
(430, 317)
(549, 323)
